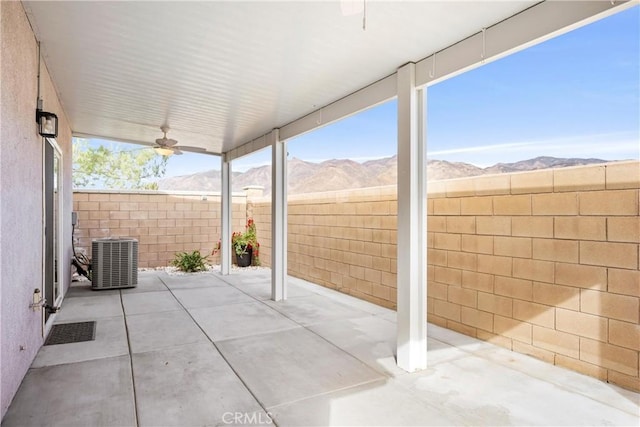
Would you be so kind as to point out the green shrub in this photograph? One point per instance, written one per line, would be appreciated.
(190, 262)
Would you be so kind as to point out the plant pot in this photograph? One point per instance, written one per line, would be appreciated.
(244, 260)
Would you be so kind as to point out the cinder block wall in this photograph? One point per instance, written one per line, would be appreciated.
(259, 209)
(543, 263)
(163, 223)
(344, 240)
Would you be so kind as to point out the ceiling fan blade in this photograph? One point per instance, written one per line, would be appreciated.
(176, 151)
(191, 148)
(166, 142)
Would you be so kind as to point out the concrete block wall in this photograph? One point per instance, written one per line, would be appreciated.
(544, 263)
(260, 210)
(344, 240)
(163, 223)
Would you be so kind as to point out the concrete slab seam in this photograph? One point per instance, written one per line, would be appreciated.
(313, 332)
(133, 377)
(246, 386)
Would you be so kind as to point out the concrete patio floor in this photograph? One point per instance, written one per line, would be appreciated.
(205, 349)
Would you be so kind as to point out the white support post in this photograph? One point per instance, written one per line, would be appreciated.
(278, 217)
(412, 224)
(225, 232)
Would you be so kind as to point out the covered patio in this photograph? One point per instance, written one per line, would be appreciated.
(207, 349)
(229, 79)
(243, 83)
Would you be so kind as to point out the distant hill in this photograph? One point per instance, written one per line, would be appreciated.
(539, 163)
(340, 174)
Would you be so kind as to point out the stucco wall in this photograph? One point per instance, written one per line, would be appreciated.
(164, 223)
(21, 201)
(543, 263)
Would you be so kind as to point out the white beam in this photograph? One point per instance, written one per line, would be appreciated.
(249, 147)
(278, 217)
(532, 26)
(412, 225)
(225, 232)
(367, 97)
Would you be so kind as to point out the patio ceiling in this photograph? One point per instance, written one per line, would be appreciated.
(223, 73)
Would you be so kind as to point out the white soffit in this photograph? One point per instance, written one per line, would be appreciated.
(224, 73)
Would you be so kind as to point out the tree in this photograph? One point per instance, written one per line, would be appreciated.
(116, 168)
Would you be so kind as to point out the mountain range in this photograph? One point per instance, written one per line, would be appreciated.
(340, 174)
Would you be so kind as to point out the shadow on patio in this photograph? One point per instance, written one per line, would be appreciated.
(207, 349)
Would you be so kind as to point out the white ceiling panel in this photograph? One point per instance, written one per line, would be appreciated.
(222, 73)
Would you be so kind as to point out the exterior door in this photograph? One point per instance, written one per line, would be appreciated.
(52, 225)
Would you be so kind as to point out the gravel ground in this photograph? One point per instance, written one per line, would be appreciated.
(173, 271)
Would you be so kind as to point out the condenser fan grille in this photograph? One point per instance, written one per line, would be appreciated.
(115, 263)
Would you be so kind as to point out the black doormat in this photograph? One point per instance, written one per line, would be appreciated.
(67, 333)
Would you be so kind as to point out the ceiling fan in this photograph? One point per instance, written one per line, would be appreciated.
(167, 146)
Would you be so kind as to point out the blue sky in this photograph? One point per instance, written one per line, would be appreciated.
(577, 95)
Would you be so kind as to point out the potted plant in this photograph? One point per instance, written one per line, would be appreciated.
(246, 246)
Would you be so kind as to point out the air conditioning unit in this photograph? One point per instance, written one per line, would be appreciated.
(114, 263)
